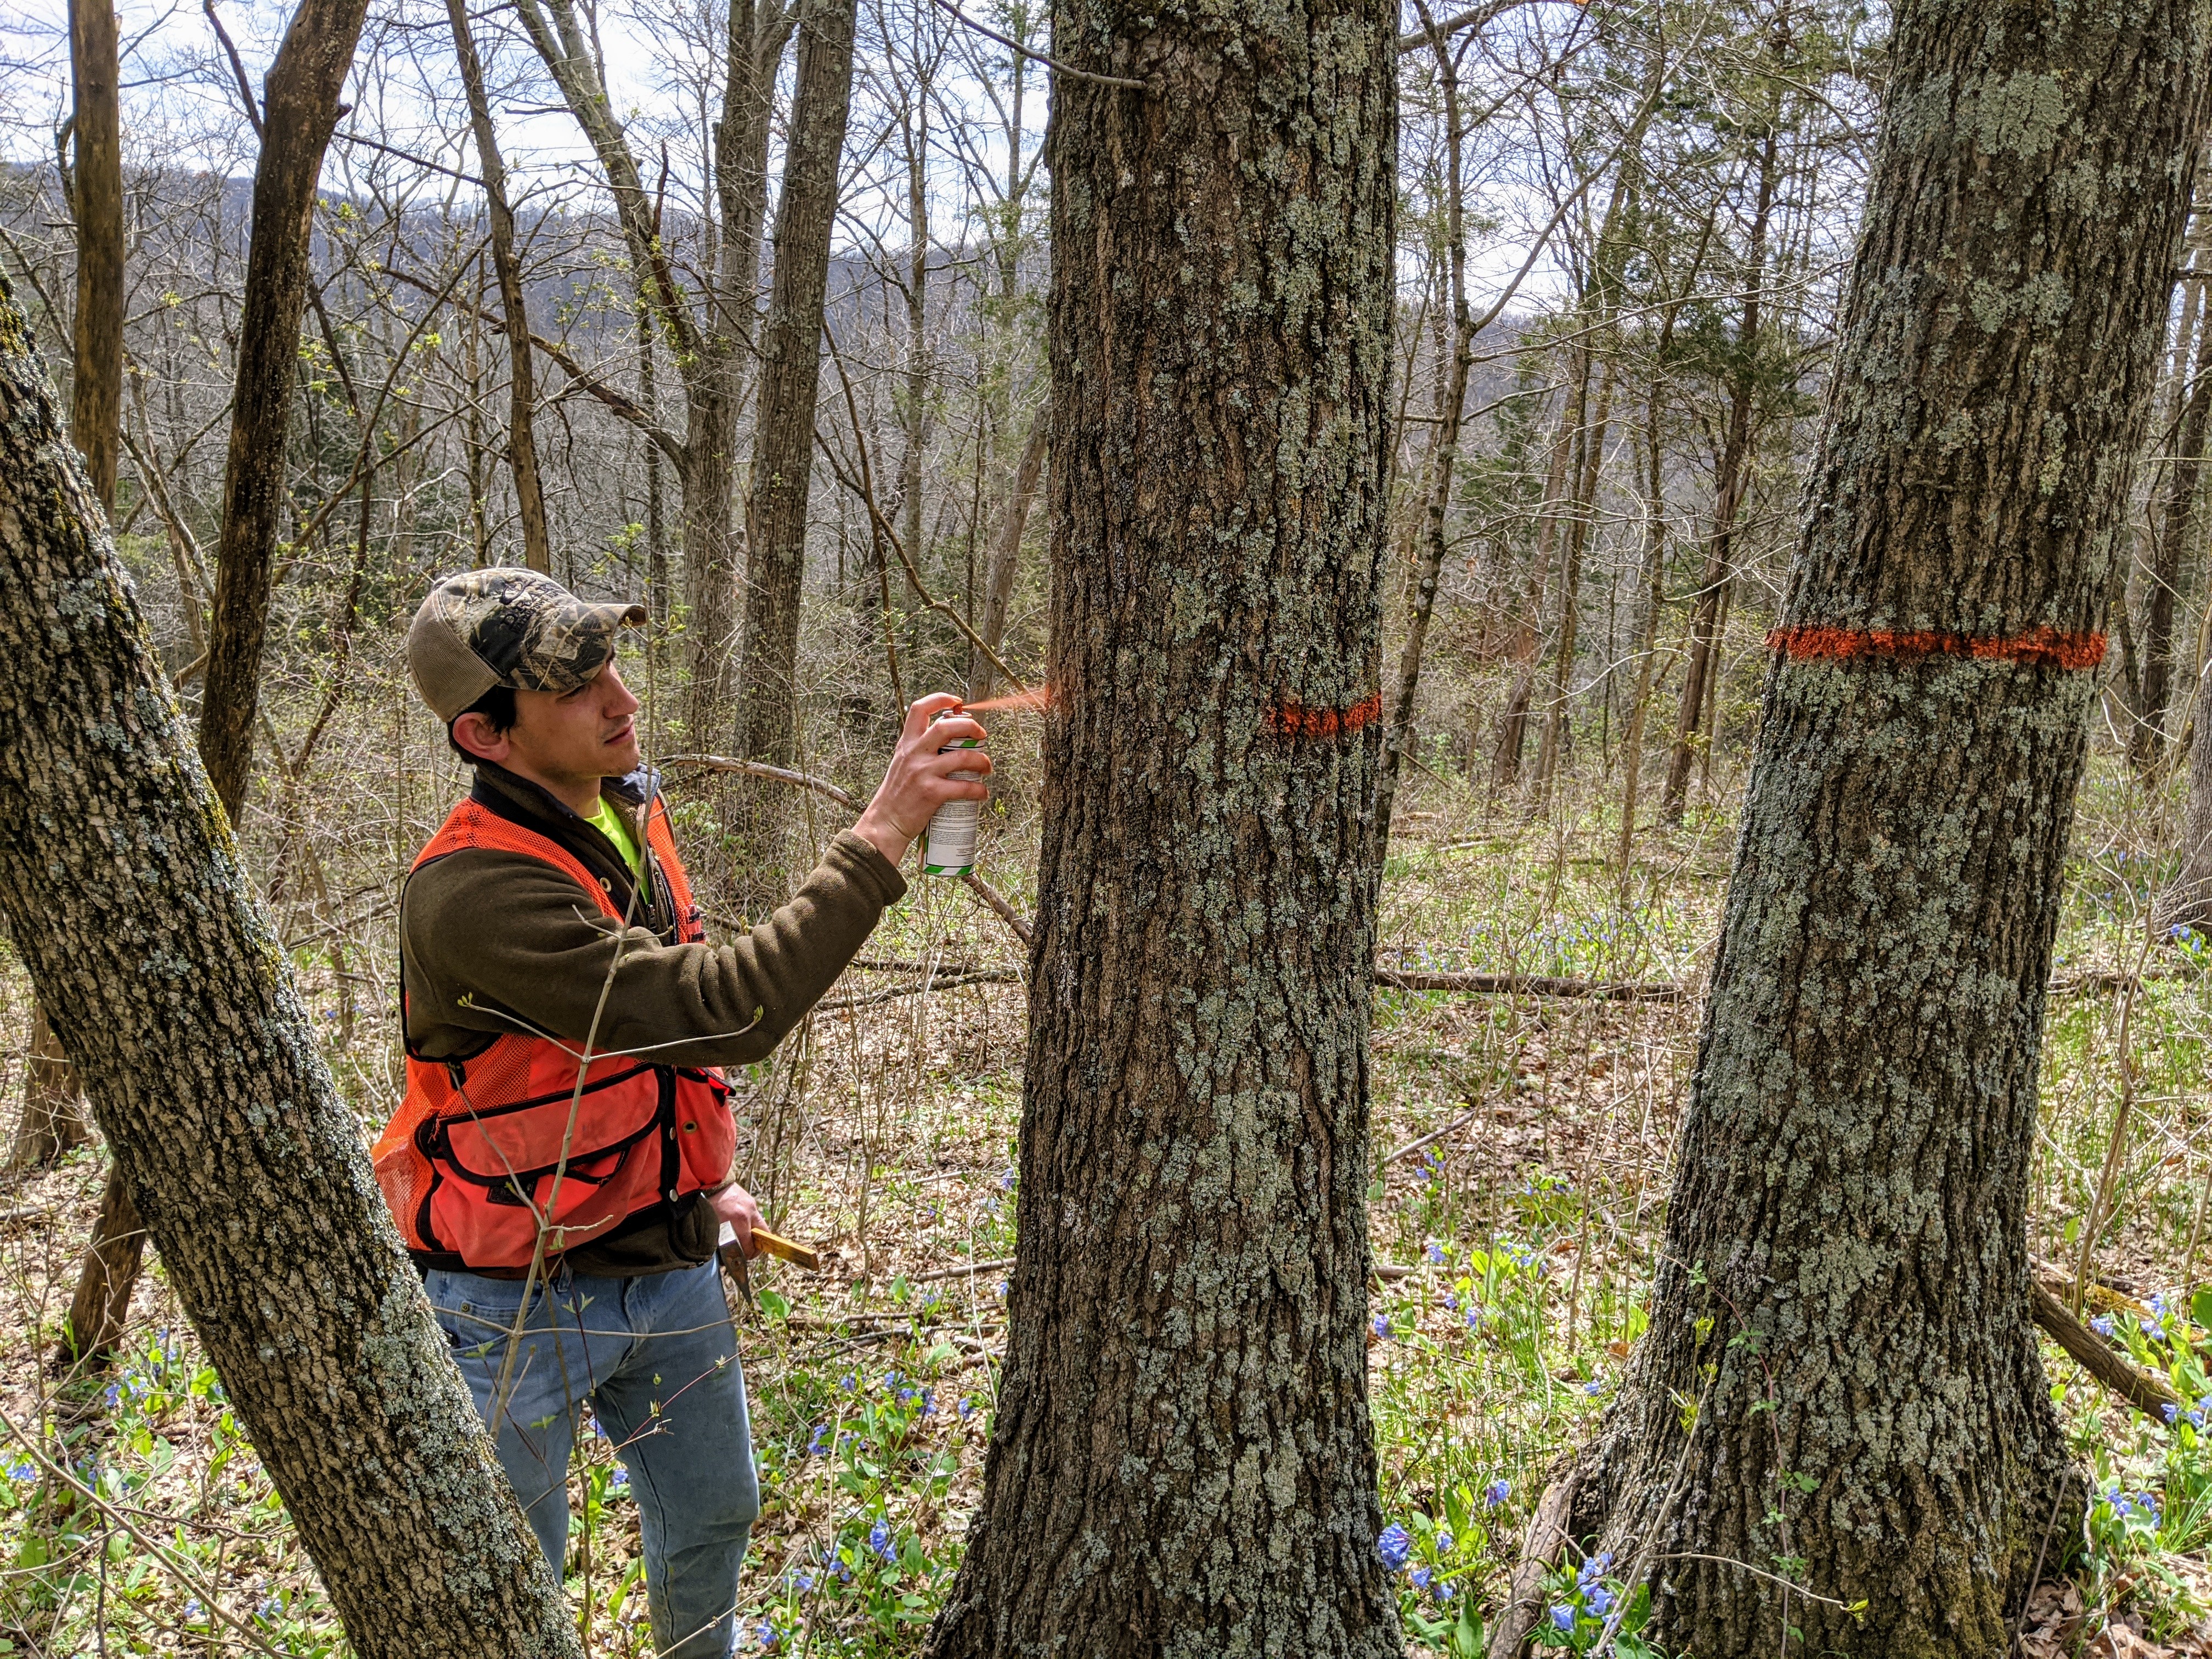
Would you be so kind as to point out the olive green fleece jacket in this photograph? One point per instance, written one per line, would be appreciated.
(493, 943)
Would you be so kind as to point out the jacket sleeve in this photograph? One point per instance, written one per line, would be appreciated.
(497, 942)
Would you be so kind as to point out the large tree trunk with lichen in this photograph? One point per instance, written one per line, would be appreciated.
(1843, 1289)
(1182, 1461)
(145, 939)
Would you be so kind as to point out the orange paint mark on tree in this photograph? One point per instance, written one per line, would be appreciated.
(2041, 647)
(1298, 719)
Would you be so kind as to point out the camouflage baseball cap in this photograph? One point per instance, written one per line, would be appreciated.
(507, 627)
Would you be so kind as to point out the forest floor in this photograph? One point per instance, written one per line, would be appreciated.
(1522, 1148)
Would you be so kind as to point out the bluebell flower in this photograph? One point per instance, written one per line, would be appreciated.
(1444, 1540)
(820, 1442)
(1382, 1327)
(2171, 1412)
(2102, 1324)
(890, 1379)
(1597, 1601)
(1474, 1319)
(114, 1393)
(1007, 1179)
(907, 1396)
(193, 1610)
(1393, 1546)
(802, 1582)
(966, 1406)
(928, 1402)
(846, 1381)
(21, 1472)
(1497, 1493)
(621, 1482)
(766, 1634)
(1005, 1286)
(1563, 1617)
(1594, 1387)
(1451, 1301)
(879, 1540)
(1436, 1256)
(1419, 1577)
(271, 1609)
(1446, 1590)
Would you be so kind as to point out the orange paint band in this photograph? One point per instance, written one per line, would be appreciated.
(2042, 648)
(1296, 719)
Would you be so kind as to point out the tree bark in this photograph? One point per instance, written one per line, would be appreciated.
(791, 375)
(143, 936)
(1842, 1290)
(522, 400)
(300, 104)
(1182, 1461)
(96, 380)
(1006, 555)
(101, 1307)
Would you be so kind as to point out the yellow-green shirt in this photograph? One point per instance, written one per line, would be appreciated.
(608, 823)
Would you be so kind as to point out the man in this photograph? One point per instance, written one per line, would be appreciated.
(565, 1135)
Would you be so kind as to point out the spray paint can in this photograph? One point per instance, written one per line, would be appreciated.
(949, 844)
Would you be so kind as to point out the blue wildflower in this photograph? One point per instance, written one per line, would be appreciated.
(820, 1441)
(2102, 1324)
(801, 1583)
(621, 1482)
(193, 1610)
(1597, 1601)
(1382, 1327)
(1497, 1493)
(879, 1540)
(2171, 1412)
(1393, 1546)
(1436, 1256)
(767, 1635)
(1594, 1387)
(1444, 1540)
(1563, 1617)
(966, 1406)
(1008, 1180)
(928, 1402)
(1451, 1301)
(21, 1472)
(1419, 1577)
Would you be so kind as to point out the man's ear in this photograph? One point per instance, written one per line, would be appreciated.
(474, 733)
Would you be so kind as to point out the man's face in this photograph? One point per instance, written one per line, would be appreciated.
(579, 736)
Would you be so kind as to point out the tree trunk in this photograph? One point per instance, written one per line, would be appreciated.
(521, 447)
(101, 1307)
(1006, 554)
(145, 941)
(790, 373)
(50, 1124)
(1451, 406)
(1528, 638)
(300, 104)
(1732, 476)
(2176, 536)
(1550, 751)
(1841, 1306)
(1183, 1461)
(96, 380)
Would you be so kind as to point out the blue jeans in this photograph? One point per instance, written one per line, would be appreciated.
(657, 1359)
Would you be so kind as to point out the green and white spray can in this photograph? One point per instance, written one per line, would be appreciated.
(949, 844)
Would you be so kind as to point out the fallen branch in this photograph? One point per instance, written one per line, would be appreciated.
(965, 1269)
(1430, 1138)
(2145, 1392)
(1527, 985)
(1524, 1599)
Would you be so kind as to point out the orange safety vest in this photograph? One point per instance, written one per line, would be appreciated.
(472, 1162)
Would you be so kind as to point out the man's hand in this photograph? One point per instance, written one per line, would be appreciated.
(918, 779)
(734, 1205)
